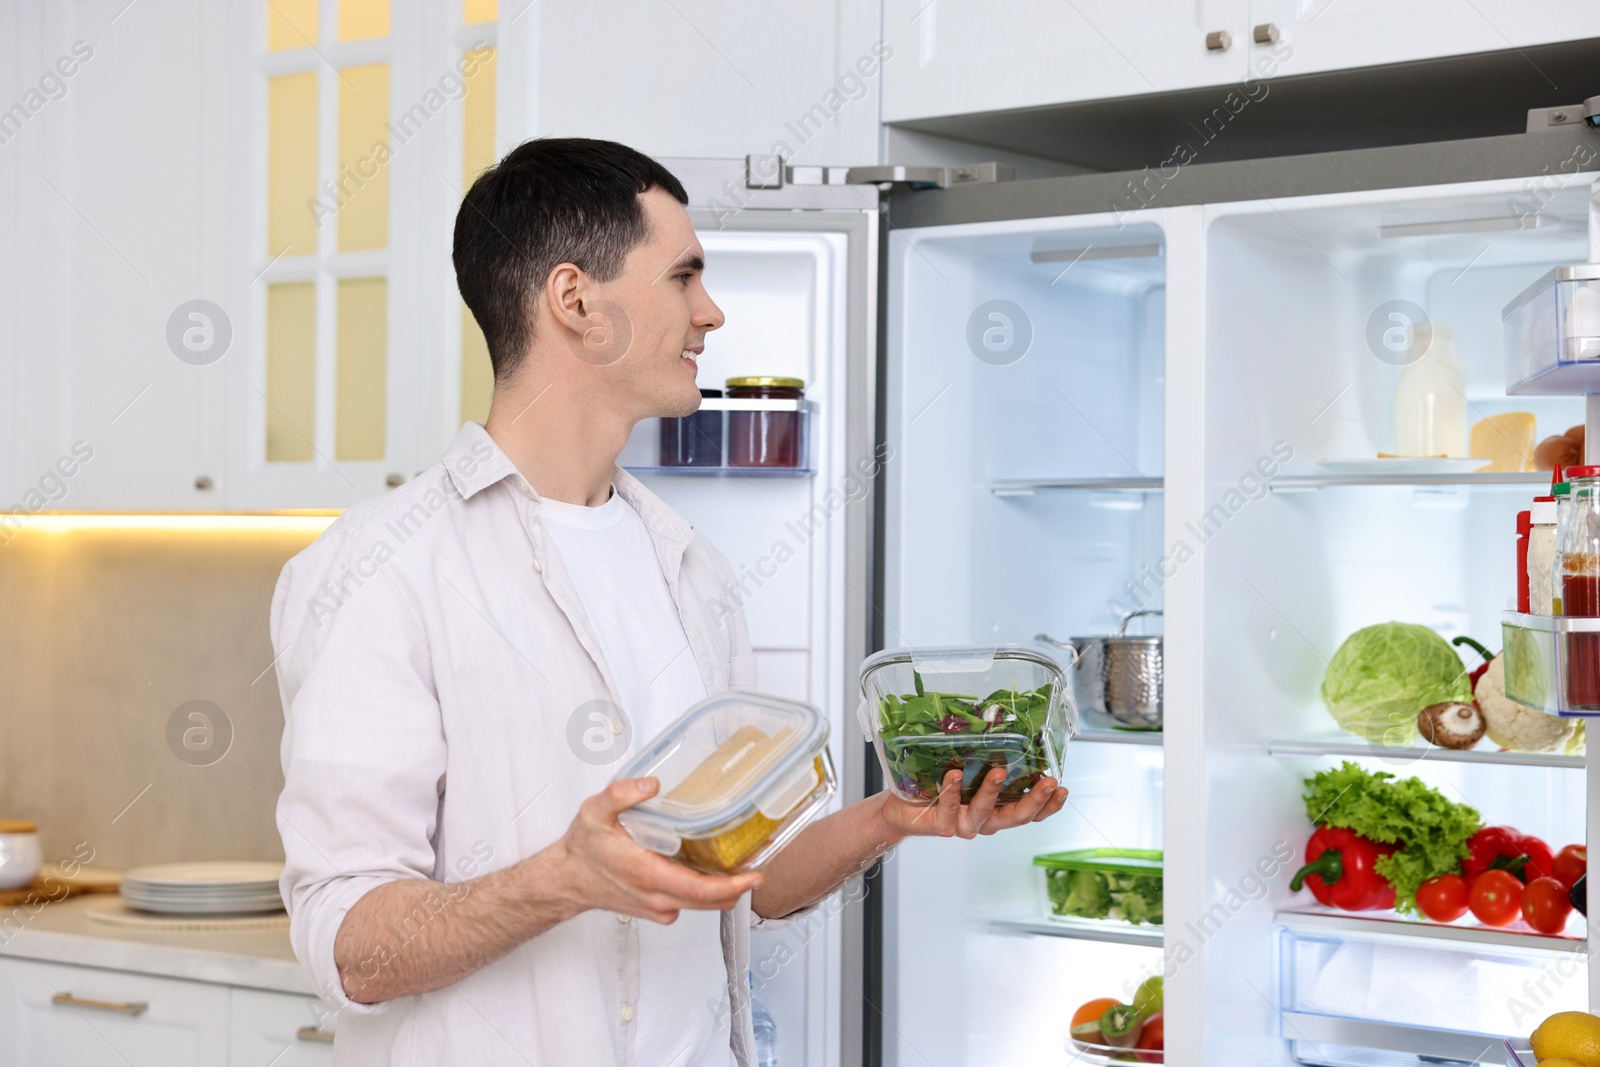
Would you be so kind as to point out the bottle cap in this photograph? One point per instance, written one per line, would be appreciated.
(1582, 472)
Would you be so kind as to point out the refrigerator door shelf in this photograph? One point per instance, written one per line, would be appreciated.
(1552, 663)
(1552, 335)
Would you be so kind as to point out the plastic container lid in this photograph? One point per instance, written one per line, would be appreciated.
(728, 759)
(1582, 472)
(1123, 860)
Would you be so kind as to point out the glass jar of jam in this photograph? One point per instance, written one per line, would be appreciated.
(1578, 566)
(694, 440)
(766, 438)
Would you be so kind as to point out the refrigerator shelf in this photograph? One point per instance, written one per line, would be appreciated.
(1346, 745)
(1087, 930)
(1120, 737)
(1366, 927)
(1028, 486)
(727, 472)
(1307, 483)
(1337, 1040)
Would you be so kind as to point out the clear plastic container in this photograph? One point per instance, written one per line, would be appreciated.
(741, 774)
(1552, 334)
(933, 710)
(1119, 885)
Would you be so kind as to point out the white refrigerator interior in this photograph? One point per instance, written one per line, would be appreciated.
(1019, 352)
(1298, 293)
(784, 297)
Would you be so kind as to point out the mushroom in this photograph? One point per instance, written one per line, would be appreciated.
(1451, 724)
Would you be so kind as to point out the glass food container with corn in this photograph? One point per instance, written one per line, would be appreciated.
(740, 773)
(928, 711)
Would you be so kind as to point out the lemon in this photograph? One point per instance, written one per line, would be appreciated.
(1560, 1061)
(1568, 1035)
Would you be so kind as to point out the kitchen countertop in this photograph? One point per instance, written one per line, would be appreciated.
(63, 932)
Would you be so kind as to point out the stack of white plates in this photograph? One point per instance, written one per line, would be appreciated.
(214, 888)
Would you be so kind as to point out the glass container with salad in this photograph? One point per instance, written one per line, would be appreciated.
(740, 773)
(930, 711)
(1115, 884)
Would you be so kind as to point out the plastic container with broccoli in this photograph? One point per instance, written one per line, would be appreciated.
(1114, 885)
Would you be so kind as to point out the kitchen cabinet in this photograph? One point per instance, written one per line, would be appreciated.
(59, 1014)
(278, 1030)
(1327, 35)
(958, 56)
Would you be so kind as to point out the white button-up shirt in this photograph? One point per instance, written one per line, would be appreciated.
(435, 664)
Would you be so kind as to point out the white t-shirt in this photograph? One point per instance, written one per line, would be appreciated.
(608, 554)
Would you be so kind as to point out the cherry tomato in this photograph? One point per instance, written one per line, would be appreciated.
(1570, 864)
(1443, 899)
(1496, 897)
(1152, 1039)
(1545, 905)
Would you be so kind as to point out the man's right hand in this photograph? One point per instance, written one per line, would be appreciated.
(597, 865)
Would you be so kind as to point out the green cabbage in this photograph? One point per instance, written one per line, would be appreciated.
(1382, 676)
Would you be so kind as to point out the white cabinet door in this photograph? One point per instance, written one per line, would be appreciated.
(127, 230)
(1329, 35)
(956, 56)
(59, 1016)
(279, 1030)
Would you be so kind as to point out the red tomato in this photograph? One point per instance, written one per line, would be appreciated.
(1152, 1040)
(1545, 905)
(1570, 864)
(1443, 899)
(1496, 898)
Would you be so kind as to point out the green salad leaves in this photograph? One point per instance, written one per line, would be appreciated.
(927, 734)
(1091, 894)
(1431, 830)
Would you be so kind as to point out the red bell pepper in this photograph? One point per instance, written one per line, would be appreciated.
(1506, 849)
(1477, 672)
(1339, 870)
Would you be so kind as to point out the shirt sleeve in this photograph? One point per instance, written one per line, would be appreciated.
(363, 749)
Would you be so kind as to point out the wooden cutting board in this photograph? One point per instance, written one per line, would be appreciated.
(47, 887)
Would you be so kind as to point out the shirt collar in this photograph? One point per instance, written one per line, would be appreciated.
(474, 462)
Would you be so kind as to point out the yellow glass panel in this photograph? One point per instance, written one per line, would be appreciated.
(362, 20)
(363, 178)
(291, 164)
(477, 137)
(361, 399)
(291, 371)
(291, 24)
(481, 11)
(477, 374)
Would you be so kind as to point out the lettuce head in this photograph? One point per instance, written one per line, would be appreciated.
(1383, 675)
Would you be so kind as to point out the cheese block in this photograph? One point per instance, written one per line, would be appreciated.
(735, 762)
(1506, 440)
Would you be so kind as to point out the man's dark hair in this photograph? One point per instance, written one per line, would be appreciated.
(552, 200)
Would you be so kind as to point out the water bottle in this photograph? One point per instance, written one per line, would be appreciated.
(766, 1034)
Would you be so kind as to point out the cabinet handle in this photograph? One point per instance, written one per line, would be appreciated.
(1219, 41)
(395, 480)
(132, 1007)
(203, 482)
(1266, 33)
(311, 1033)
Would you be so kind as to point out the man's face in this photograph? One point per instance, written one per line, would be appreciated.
(659, 313)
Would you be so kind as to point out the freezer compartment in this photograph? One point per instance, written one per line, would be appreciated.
(726, 437)
(1552, 333)
(1375, 1001)
(1552, 663)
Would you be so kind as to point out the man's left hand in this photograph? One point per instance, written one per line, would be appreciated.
(948, 817)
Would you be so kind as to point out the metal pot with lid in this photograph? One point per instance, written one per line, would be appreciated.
(1119, 676)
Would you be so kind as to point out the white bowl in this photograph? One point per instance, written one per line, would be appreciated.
(20, 859)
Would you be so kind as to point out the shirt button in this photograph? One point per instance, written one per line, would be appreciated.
(624, 918)
(538, 568)
(627, 1013)
(522, 485)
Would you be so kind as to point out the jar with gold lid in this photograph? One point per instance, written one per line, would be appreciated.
(766, 438)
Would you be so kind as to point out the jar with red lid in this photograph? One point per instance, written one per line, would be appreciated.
(1578, 571)
(767, 438)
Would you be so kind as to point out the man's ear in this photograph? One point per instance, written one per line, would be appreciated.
(567, 292)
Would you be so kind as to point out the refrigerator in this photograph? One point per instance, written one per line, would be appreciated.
(1079, 397)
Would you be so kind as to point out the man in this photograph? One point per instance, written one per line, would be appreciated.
(457, 880)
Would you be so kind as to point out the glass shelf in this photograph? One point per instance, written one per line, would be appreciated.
(1306, 483)
(1029, 486)
(1388, 925)
(1346, 745)
(1112, 933)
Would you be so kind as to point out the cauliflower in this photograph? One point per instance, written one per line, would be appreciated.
(1518, 728)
